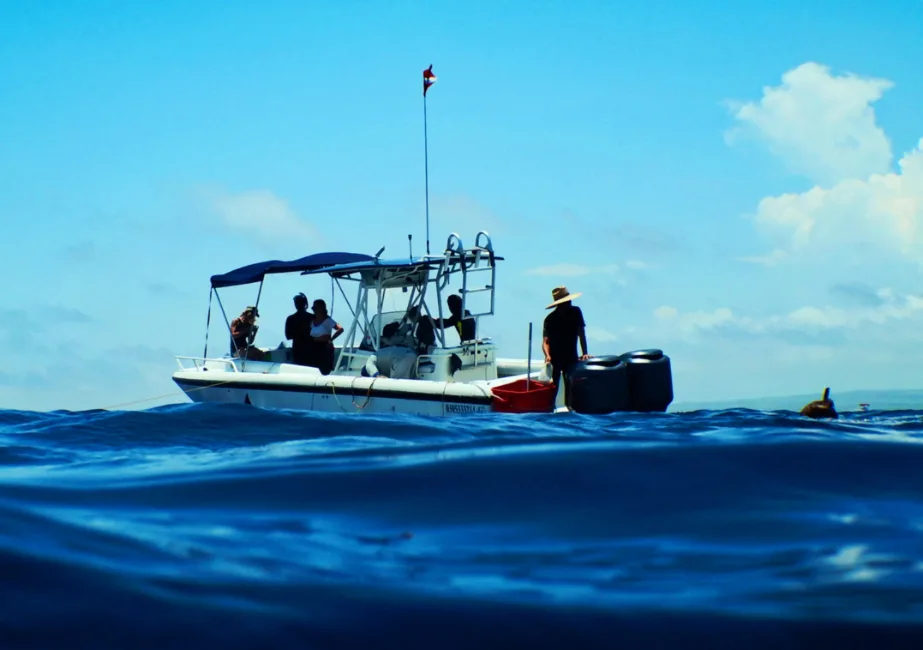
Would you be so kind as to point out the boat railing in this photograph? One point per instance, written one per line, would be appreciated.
(348, 357)
(199, 363)
(445, 352)
(458, 259)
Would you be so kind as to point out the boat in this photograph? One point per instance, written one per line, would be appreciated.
(384, 364)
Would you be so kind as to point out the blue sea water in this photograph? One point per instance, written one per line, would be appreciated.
(196, 526)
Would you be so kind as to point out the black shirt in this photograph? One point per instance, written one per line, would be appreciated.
(298, 328)
(464, 326)
(562, 327)
(425, 334)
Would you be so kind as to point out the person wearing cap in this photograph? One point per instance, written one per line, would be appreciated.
(298, 330)
(243, 333)
(560, 332)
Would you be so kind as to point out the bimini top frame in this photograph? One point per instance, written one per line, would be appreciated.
(258, 271)
(414, 276)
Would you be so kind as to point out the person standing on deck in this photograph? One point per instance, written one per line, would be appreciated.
(560, 332)
(298, 330)
(324, 331)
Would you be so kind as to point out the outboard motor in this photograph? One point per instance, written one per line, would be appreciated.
(650, 380)
(599, 385)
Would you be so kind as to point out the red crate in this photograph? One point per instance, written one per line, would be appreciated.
(516, 398)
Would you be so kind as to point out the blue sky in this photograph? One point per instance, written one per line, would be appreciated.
(739, 184)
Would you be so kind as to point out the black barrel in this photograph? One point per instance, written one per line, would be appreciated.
(599, 385)
(650, 380)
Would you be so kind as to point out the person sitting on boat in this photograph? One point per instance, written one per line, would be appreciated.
(401, 333)
(426, 335)
(243, 333)
(413, 332)
(298, 330)
(397, 355)
(324, 330)
(389, 333)
(464, 325)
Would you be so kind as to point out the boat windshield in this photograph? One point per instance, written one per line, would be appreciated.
(377, 325)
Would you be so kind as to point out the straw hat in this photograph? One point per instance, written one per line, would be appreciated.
(561, 295)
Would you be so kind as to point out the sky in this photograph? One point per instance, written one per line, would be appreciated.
(737, 184)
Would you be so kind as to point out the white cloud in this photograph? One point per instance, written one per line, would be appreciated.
(595, 333)
(694, 321)
(892, 307)
(262, 214)
(822, 125)
(882, 213)
(636, 265)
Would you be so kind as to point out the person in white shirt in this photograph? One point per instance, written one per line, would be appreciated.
(324, 331)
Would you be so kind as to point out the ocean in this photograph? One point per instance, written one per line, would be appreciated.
(202, 526)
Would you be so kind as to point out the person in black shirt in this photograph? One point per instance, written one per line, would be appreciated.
(298, 330)
(560, 332)
(464, 325)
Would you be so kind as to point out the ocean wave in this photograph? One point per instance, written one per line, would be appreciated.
(238, 526)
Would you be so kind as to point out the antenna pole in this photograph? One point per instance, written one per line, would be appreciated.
(428, 80)
(529, 360)
(426, 170)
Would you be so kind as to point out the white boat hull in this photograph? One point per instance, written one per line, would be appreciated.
(337, 393)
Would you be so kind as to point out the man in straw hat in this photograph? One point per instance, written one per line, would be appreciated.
(560, 332)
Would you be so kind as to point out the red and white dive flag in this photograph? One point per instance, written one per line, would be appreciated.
(428, 79)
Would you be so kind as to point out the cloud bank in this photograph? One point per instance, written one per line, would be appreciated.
(824, 127)
(890, 306)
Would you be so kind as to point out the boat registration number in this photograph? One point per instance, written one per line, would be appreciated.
(466, 408)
